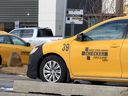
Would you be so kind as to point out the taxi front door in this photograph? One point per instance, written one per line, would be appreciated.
(99, 54)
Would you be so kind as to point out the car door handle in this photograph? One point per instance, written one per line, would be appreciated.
(115, 46)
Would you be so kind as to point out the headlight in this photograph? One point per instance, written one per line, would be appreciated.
(33, 51)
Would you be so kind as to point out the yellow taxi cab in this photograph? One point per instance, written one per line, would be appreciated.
(99, 53)
(12, 44)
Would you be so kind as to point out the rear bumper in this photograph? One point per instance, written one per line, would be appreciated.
(32, 71)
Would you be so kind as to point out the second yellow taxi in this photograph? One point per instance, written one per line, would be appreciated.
(12, 44)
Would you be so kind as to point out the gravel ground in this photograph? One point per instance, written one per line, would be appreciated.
(14, 70)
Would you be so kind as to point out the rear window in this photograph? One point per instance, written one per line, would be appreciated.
(44, 33)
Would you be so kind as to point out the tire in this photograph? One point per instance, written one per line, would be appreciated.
(97, 82)
(0, 62)
(53, 69)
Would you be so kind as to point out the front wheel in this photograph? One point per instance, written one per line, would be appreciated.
(53, 69)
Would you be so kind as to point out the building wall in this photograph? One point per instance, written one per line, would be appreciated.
(126, 9)
(21, 10)
(89, 6)
(24, 11)
(51, 14)
(60, 16)
(47, 14)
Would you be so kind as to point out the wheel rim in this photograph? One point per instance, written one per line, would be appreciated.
(52, 71)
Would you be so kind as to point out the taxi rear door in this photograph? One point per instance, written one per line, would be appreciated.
(21, 48)
(5, 48)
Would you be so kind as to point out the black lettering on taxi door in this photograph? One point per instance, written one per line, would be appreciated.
(95, 54)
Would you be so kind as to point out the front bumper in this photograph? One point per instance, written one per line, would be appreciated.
(32, 71)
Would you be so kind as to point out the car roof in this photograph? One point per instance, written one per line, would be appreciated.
(28, 28)
(6, 33)
(105, 21)
(31, 28)
(3, 32)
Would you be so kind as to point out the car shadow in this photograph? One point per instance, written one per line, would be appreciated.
(105, 84)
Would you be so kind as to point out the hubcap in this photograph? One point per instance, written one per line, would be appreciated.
(52, 71)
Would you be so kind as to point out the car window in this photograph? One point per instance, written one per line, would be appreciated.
(17, 41)
(16, 32)
(44, 33)
(108, 31)
(127, 32)
(5, 40)
(26, 33)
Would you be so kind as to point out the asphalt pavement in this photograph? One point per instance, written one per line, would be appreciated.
(6, 82)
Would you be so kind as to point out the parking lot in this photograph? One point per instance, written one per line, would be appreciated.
(7, 82)
(63, 47)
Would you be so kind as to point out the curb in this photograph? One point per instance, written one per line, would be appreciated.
(68, 89)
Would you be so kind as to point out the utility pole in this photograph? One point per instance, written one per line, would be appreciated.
(119, 7)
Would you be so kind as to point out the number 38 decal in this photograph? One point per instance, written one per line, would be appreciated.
(65, 47)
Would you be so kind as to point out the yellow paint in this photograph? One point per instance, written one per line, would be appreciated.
(114, 66)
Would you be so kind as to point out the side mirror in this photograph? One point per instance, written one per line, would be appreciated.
(80, 37)
(28, 44)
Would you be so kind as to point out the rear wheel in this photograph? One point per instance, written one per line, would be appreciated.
(53, 69)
